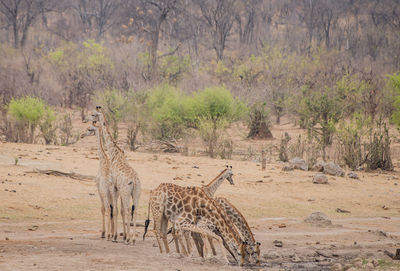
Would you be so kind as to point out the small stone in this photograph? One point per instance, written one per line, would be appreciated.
(295, 258)
(333, 169)
(287, 167)
(352, 175)
(336, 267)
(278, 243)
(271, 255)
(318, 219)
(7, 239)
(299, 163)
(320, 179)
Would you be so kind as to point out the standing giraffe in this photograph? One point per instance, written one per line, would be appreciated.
(104, 185)
(125, 181)
(190, 209)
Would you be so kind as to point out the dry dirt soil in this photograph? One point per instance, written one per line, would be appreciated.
(53, 222)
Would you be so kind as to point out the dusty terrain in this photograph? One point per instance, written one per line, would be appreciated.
(53, 223)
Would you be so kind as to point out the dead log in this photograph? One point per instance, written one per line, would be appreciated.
(72, 175)
(393, 256)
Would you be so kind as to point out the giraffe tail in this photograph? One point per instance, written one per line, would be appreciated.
(147, 222)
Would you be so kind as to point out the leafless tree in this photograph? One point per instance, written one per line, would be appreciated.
(21, 14)
(218, 16)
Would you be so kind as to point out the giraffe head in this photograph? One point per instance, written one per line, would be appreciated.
(97, 116)
(252, 252)
(90, 131)
(228, 174)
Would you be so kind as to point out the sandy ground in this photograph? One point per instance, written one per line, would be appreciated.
(53, 223)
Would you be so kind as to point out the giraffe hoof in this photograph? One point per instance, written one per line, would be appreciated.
(103, 235)
(126, 242)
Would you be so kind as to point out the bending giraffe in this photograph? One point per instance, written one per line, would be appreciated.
(210, 190)
(125, 180)
(190, 209)
(103, 183)
(240, 223)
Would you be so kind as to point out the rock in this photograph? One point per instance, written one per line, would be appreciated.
(299, 163)
(287, 167)
(333, 169)
(349, 268)
(271, 255)
(295, 258)
(278, 243)
(352, 175)
(320, 179)
(336, 267)
(318, 219)
(319, 166)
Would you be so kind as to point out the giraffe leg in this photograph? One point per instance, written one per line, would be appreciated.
(164, 225)
(179, 236)
(199, 243)
(103, 227)
(210, 240)
(221, 245)
(157, 225)
(126, 214)
(188, 243)
(175, 241)
(115, 215)
(205, 246)
(123, 215)
(183, 225)
(135, 200)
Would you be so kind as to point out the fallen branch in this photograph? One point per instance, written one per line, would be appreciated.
(393, 256)
(71, 175)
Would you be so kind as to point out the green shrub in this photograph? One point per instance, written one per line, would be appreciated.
(395, 82)
(136, 115)
(167, 110)
(48, 127)
(212, 110)
(27, 113)
(350, 135)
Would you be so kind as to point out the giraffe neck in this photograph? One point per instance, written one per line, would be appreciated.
(242, 225)
(103, 157)
(229, 234)
(113, 150)
(212, 187)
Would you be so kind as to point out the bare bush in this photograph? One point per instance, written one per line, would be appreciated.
(67, 134)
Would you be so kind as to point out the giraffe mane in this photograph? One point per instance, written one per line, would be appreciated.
(244, 220)
(216, 178)
(101, 111)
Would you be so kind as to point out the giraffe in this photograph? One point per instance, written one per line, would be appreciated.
(240, 223)
(103, 183)
(125, 180)
(190, 209)
(210, 190)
